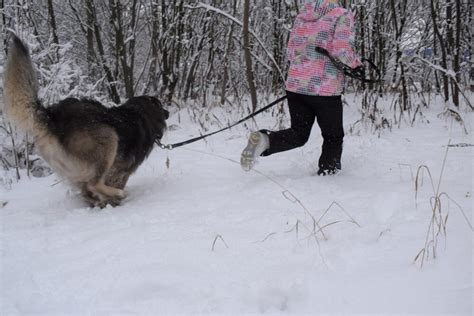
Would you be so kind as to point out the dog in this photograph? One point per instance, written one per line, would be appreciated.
(94, 147)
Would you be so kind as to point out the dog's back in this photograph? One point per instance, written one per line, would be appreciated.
(137, 123)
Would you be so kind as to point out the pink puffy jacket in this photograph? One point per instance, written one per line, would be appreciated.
(321, 23)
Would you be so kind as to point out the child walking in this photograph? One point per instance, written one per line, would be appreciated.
(314, 85)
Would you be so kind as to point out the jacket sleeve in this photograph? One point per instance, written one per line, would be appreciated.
(344, 41)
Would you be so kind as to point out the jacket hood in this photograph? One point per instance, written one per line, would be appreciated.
(315, 9)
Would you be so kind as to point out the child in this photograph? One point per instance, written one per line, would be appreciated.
(314, 85)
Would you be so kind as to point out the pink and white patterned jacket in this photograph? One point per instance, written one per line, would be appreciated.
(321, 23)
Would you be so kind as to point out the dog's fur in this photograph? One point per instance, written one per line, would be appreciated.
(94, 147)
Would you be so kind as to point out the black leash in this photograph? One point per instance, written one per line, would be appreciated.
(357, 73)
(192, 140)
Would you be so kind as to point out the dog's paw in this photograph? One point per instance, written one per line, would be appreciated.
(117, 200)
(123, 194)
(101, 204)
(95, 199)
(117, 194)
(114, 202)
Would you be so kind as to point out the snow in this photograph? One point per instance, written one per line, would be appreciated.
(202, 236)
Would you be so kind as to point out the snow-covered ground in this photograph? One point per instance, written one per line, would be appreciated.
(199, 235)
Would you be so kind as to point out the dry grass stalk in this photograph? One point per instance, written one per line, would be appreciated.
(435, 227)
(215, 241)
(439, 217)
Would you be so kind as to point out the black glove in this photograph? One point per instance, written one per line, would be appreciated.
(359, 71)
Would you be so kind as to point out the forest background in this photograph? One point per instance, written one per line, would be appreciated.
(232, 54)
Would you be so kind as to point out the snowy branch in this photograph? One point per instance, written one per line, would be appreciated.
(207, 7)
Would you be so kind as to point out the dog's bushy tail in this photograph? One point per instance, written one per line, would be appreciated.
(21, 89)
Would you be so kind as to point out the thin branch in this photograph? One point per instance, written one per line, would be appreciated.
(207, 7)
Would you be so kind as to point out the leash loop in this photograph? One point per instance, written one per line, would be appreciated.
(359, 75)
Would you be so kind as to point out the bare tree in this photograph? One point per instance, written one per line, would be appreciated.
(443, 48)
(52, 21)
(111, 82)
(248, 55)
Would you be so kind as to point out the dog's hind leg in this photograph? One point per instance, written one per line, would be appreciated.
(99, 188)
(118, 175)
(89, 197)
(117, 178)
(99, 150)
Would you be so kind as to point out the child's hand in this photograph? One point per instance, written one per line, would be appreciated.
(359, 71)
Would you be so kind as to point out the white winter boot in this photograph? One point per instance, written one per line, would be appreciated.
(258, 143)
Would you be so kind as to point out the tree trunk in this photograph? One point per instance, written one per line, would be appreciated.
(5, 25)
(176, 54)
(190, 78)
(226, 70)
(166, 72)
(457, 54)
(362, 36)
(450, 42)
(90, 36)
(442, 45)
(111, 85)
(52, 22)
(470, 40)
(277, 44)
(120, 47)
(153, 70)
(248, 55)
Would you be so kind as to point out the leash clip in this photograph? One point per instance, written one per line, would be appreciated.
(163, 146)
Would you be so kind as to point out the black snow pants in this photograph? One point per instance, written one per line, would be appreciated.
(304, 109)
